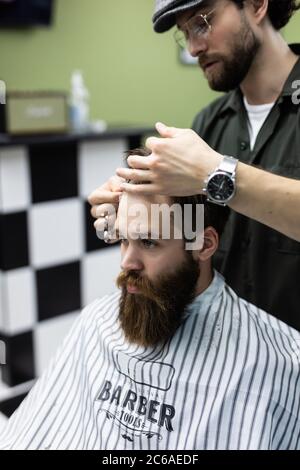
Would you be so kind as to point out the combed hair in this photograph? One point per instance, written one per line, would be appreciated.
(214, 215)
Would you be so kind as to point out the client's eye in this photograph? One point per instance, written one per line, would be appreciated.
(148, 243)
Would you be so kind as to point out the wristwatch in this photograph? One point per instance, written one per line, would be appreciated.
(220, 185)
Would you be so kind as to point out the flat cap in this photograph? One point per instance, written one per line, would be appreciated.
(164, 17)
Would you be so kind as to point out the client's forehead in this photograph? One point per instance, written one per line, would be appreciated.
(139, 212)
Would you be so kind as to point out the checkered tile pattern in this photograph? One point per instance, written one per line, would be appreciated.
(51, 262)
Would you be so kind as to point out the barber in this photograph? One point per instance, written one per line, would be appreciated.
(239, 47)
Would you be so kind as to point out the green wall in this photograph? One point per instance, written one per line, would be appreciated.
(133, 74)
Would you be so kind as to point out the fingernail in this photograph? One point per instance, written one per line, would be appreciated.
(160, 124)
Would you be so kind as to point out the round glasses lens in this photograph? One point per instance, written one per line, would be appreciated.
(200, 26)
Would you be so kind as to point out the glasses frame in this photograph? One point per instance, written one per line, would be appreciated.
(179, 35)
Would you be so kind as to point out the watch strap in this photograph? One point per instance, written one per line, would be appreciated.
(228, 165)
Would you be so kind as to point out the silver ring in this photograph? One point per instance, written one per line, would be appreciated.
(106, 237)
(106, 223)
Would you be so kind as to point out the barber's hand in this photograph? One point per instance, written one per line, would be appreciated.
(105, 202)
(179, 164)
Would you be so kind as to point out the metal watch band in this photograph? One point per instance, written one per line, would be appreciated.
(228, 165)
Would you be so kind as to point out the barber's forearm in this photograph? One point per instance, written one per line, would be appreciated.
(270, 199)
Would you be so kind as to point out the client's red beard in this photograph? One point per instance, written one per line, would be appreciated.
(153, 315)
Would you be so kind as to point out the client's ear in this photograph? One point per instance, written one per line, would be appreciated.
(210, 244)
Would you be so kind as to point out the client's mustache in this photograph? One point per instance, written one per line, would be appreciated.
(142, 283)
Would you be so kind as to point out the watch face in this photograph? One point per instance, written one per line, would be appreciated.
(220, 187)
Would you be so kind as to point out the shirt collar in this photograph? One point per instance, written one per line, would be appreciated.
(288, 90)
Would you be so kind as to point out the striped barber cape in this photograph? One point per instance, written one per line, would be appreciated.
(228, 379)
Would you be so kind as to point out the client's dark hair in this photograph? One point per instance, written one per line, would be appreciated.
(214, 215)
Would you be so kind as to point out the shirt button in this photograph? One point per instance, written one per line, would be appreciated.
(243, 145)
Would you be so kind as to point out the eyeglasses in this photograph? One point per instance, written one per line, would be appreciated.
(196, 26)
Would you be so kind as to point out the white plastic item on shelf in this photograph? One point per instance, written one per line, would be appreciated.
(79, 103)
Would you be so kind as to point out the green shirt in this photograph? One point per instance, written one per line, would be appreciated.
(260, 264)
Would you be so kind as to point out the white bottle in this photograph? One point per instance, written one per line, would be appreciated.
(79, 103)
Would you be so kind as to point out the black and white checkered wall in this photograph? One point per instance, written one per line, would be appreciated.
(51, 262)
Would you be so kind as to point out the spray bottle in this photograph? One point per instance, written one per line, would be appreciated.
(79, 103)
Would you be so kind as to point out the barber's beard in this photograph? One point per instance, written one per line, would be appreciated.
(229, 73)
(153, 315)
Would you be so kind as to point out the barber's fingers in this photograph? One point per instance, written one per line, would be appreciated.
(166, 131)
(142, 163)
(101, 196)
(108, 192)
(157, 144)
(134, 174)
(107, 236)
(102, 210)
(145, 189)
(105, 223)
(114, 183)
(105, 229)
